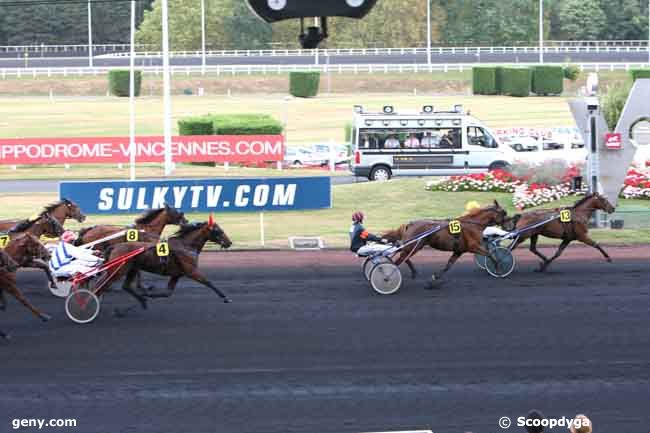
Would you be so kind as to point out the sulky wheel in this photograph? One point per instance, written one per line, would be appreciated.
(479, 260)
(368, 264)
(82, 306)
(501, 263)
(385, 278)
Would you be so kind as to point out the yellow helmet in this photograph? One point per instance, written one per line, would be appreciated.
(472, 205)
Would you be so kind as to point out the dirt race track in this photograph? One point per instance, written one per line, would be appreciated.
(306, 346)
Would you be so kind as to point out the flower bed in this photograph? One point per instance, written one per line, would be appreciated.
(637, 184)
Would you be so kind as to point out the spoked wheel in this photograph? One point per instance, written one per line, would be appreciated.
(501, 264)
(368, 264)
(82, 306)
(480, 260)
(385, 278)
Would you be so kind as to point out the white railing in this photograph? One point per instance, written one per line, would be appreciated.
(280, 69)
(389, 51)
(66, 48)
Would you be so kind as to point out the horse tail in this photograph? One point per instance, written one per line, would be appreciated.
(397, 234)
(80, 238)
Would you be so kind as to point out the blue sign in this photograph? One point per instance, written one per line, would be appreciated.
(201, 195)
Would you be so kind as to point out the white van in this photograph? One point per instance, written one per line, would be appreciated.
(425, 143)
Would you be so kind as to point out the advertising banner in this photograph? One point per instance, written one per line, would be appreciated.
(194, 148)
(201, 195)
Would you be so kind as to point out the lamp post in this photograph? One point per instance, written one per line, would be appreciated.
(167, 103)
(541, 31)
(90, 35)
(429, 33)
(132, 146)
(202, 37)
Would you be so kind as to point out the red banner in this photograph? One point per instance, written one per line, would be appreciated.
(195, 148)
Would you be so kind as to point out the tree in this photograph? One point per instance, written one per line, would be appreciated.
(581, 19)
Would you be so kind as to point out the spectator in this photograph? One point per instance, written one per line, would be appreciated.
(391, 143)
(428, 141)
(412, 142)
(581, 424)
(533, 415)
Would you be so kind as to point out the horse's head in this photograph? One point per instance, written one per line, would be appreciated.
(601, 202)
(7, 263)
(174, 216)
(217, 235)
(50, 226)
(73, 210)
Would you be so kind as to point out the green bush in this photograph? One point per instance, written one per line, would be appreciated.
(196, 126)
(613, 101)
(572, 72)
(498, 79)
(118, 82)
(304, 84)
(639, 73)
(516, 81)
(484, 81)
(246, 124)
(548, 80)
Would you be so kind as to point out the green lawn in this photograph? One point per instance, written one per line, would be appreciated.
(387, 205)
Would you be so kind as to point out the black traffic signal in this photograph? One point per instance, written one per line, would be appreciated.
(277, 10)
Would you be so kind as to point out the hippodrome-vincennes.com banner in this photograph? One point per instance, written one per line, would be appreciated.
(191, 148)
(201, 195)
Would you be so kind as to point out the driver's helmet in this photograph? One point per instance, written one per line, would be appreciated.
(357, 217)
(471, 206)
(68, 236)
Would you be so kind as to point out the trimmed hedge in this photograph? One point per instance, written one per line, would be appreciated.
(118, 82)
(196, 126)
(639, 73)
(548, 80)
(516, 81)
(304, 84)
(498, 79)
(571, 72)
(484, 81)
(230, 124)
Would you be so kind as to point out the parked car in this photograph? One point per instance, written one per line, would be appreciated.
(523, 144)
(552, 145)
(323, 151)
(301, 156)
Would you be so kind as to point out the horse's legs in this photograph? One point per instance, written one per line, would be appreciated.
(4, 336)
(200, 278)
(414, 272)
(131, 274)
(171, 286)
(3, 300)
(557, 254)
(11, 287)
(39, 264)
(534, 250)
(585, 239)
(450, 263)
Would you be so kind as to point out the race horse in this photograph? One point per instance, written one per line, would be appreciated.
(60, 211)
(22, 248)
(46, 225)
(576, 229)
(150, 227)
(184, 249)
(9, 265)
(466, 239)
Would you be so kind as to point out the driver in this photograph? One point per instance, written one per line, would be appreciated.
(359, 236)
(68, 260)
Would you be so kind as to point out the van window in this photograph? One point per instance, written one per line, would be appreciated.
(422, 138)
(479, 137)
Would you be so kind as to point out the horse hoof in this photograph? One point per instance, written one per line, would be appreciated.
(609, 260)
(414, 276)
(4, 336)
(45, 317)
(227, 300)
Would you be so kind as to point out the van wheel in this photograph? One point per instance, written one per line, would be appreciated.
(380, 173)
(499, 165)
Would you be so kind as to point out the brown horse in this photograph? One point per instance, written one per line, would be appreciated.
(150, 225)
(466, 240)
(9, 265)
(184, 249)
(47, 225)
(60, 211)
(577, 229)
(22, 248)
